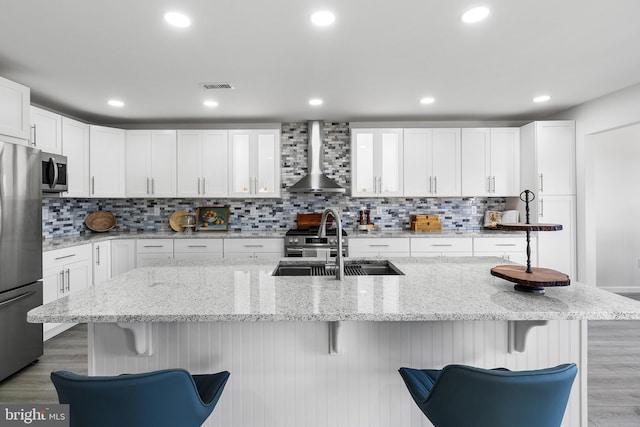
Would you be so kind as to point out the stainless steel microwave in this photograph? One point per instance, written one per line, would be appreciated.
(54, 173)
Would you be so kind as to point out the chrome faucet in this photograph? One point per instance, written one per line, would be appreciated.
(339, 266)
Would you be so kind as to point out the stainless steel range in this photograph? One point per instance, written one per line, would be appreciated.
(304, 242)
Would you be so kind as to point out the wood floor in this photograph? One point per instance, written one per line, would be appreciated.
(614, 371)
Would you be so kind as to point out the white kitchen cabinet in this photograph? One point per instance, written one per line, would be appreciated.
(376, 162)
(150, 251)
(64, 272)
(254, 163)
(123, 256)
(379, 247)
(202, 165)
(107, 161)
(151, 163)
(46, 130)
(491, 162)
(441, 246)
(508, 248)
(198, 249)
(101, 262)
(15, 100)
(557, 249)
(548, 170)
(432, 162)
(253, 248)
(75, 145)
(548, 165)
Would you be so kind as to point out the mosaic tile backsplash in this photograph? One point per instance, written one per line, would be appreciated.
(66, 216)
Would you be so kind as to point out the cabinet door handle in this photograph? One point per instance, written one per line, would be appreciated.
(541, 183)
(35, 135)
(147, 185)
(66, 256)
(62, 281)
(380, 184)
(198, 186)
(153, 186)
(541, 208)
(93, 185)
(18, 298)
(97, 255)
(430, 185)
(435, 185)
(68, 280)
(488, 184)
(493, 179)
(204, 191)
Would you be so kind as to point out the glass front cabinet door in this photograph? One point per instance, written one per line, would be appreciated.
(376, 162)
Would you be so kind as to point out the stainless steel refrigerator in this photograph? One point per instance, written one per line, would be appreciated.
(20, 256)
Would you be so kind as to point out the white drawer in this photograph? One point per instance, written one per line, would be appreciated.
(254, 245)
(198, 246)
(500, 244)
(154, 246)
(66, 256)
(442, 244)
(379, 245)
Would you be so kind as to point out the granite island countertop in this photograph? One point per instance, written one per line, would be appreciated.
(431, 289)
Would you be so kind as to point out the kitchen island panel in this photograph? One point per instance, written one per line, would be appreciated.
(283, 375)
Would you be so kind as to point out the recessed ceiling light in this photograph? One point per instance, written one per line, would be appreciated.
(115, 103)
(323, 18)
(177, 19)
(210, 103)
(427, 100)
(541, 98)
(475, 15)
(315, 101)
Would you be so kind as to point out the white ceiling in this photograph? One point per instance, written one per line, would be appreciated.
(375, 63)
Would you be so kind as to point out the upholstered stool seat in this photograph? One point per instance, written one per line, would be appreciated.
(167, 398)
(464, 396)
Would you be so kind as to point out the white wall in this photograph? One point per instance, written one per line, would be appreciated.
(616, 175)
(618, 109)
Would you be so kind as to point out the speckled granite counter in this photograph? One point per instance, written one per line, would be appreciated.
(65, 242)
(231, 290)
(79, 239)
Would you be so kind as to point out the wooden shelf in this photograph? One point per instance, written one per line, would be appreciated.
(536, 281)
(529, 227)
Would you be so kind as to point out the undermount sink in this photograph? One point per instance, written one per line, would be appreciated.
(351, 268)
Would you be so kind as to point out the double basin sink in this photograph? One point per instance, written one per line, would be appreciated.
(351, 268)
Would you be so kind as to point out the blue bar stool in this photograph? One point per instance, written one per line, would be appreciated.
(166, 398)
(464, 396)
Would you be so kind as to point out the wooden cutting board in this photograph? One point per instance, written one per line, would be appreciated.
(311, 220)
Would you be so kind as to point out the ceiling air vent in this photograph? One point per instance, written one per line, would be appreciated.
(212, 86)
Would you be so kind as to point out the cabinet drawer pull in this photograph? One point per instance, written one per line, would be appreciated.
(505, 244)
(253, 246)
(153, 246)
(196, 246)
(442, 244)
(379, 246)
(66, 256)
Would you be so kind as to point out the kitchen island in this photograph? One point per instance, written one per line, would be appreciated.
(315, 351)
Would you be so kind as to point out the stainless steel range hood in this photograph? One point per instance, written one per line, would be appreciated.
(316, 181)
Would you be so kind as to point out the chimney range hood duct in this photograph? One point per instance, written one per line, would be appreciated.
(316, 181)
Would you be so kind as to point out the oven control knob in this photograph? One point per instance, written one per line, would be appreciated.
(295, 240)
